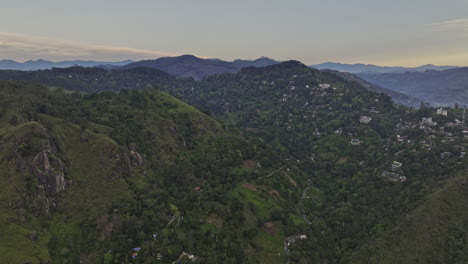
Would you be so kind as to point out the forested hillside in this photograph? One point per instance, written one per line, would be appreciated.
(369, 161)
(101, 177)
(100, 79)
(436, 232)
(290, 164)
(397, 97)
(97, 79)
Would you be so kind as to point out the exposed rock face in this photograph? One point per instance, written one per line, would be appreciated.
(127, 159)
(49, 169)
(135, 158)
(131, 158)
(44, 172)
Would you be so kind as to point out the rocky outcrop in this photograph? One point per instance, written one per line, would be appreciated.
(135, 158)
(49, 169)
(36, 157)
(128, 159)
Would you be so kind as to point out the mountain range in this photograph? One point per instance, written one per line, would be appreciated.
(180, 66)
(32, 65)
(100, 79)
(370, 68)
(437, 85)
(197, 68)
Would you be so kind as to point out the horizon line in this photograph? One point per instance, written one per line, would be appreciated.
(213, 58)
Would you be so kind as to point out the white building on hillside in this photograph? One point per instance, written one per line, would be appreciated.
(441, 111)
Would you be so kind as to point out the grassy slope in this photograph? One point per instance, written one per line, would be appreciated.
(69, 232)
(94, 189)
(90, 193)
(262, 206)
(436, 232)
(20, 247)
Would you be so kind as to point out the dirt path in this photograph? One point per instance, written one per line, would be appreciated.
(173, 218)
(303, 196)
(269, 175)
(180, 257)
(304, 217)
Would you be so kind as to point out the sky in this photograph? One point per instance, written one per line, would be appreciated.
(389, 33)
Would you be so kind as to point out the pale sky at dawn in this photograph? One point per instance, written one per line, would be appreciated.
(396, 32)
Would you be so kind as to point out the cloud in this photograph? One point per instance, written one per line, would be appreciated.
(25, 47)
(451, 25)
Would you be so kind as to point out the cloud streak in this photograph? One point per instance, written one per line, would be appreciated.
(24, 47)
(451, 25)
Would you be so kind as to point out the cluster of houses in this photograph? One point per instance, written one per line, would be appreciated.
(426, 122)
(317, 90)
(450, 132)
(434, 133)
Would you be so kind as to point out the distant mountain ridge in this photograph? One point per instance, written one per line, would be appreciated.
(116, 78)
(197, 68)
(440, 88)
(368, 68)
(32, 65)
(437, 87)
